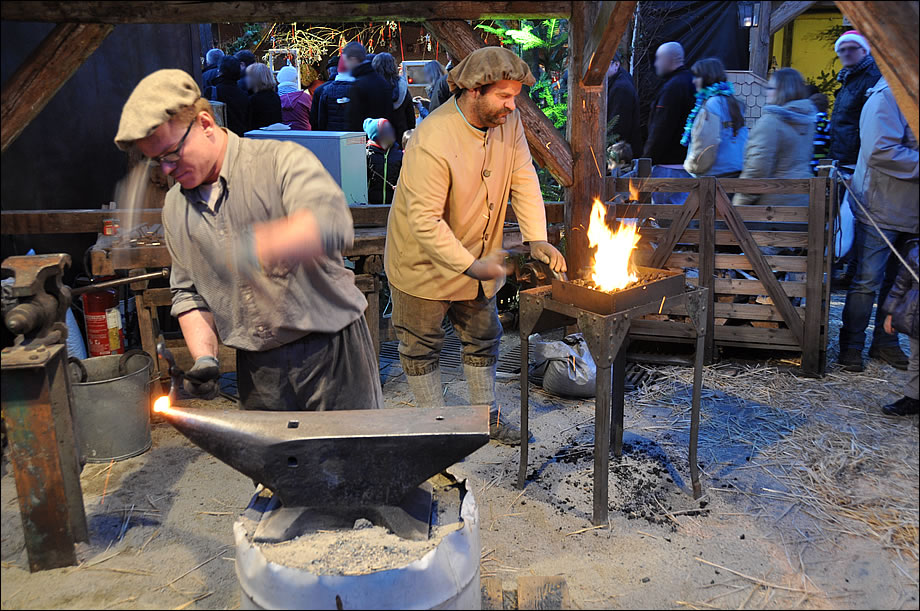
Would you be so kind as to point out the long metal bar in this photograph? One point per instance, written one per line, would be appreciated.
(108, 284)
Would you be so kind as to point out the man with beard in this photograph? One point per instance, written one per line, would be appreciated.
(444, 235)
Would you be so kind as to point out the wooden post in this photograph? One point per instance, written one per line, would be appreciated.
(812, 346)
(43, 73)
(706, 192)
(547, 146)
(587, 137)
(760, 42)
(892, 29)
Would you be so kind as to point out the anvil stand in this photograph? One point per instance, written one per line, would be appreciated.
(606, 336)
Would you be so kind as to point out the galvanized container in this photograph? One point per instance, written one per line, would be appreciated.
(111, 409)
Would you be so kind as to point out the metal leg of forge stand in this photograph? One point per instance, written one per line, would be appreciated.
(697, 307)
(618, 400)
(606, 338)
(525, 410)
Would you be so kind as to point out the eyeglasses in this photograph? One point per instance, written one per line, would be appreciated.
(174, 155)
(851, 49)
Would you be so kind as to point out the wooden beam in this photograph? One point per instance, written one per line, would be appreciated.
(892, 28)
(785, 13)
(286, 12)
(587, 134)
(547, 146)
(760, 42)
(43, 73)
(602, 45)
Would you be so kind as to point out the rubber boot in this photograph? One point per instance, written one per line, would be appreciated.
(427, 389)
(481, 381)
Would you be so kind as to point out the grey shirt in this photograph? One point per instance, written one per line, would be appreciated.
(261, 180)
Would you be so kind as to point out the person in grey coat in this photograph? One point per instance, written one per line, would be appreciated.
(887, 184)
(781, 143)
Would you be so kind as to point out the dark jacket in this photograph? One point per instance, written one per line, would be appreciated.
(403, 117)
(208, 75)
(371, 98)
(383, 167)
(317, 101)
(226, 90)
(904, 295)
(333, 107)
(848, 103)
(264, 109)
(623, 102)
(668, 118)
(440, 93)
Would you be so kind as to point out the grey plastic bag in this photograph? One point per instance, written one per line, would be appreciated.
(567, 367)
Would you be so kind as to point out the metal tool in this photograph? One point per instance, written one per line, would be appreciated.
(35, 304)
(108, 284)
(347, 458)
(176, 374)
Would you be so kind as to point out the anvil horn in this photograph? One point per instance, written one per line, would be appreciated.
(337, 458)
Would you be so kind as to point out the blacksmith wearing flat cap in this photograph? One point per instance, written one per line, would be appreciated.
(256, 231)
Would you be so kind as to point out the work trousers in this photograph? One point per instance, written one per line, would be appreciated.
(876, 269)
(418, 324)
(319, 372)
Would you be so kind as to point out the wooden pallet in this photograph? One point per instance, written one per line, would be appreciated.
(702, 234)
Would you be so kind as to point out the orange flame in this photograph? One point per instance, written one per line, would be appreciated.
(611, 269)
(161, 404)
(633, 192)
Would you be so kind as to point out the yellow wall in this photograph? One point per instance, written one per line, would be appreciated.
(809, 55)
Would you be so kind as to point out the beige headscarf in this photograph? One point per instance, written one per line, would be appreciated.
(489, 65)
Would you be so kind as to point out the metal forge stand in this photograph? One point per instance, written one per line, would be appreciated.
(606, 336)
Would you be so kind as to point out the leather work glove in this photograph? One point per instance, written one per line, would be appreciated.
(203, 379)
(547, 253)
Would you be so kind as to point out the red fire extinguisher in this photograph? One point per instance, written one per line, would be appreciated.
(104, 333)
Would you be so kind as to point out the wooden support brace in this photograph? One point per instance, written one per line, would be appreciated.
(602, 45)
(677, 228)
(44, 72)
(786, 13)
(761, 267)
(547, 146)
(892, 28)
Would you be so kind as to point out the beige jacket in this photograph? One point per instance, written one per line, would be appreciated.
(450, 202)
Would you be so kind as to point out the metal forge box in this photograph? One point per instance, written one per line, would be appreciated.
(652, 286)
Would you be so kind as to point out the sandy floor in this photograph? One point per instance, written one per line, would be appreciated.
(766, 533)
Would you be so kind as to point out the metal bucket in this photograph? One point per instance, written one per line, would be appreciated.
(111, 410)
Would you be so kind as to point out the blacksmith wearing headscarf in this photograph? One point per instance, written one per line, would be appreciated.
(444, 255)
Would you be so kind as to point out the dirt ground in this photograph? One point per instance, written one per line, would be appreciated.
(810, 501)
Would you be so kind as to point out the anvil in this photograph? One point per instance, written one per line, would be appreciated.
(345, 458)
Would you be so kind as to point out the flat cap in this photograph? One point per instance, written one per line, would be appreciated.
(489, 65)
(154, 102)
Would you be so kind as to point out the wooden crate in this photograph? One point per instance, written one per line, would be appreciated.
(698, 234)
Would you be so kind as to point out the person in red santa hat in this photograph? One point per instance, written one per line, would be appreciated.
(858, 74)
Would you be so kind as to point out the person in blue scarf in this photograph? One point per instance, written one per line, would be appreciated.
(715, 133)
